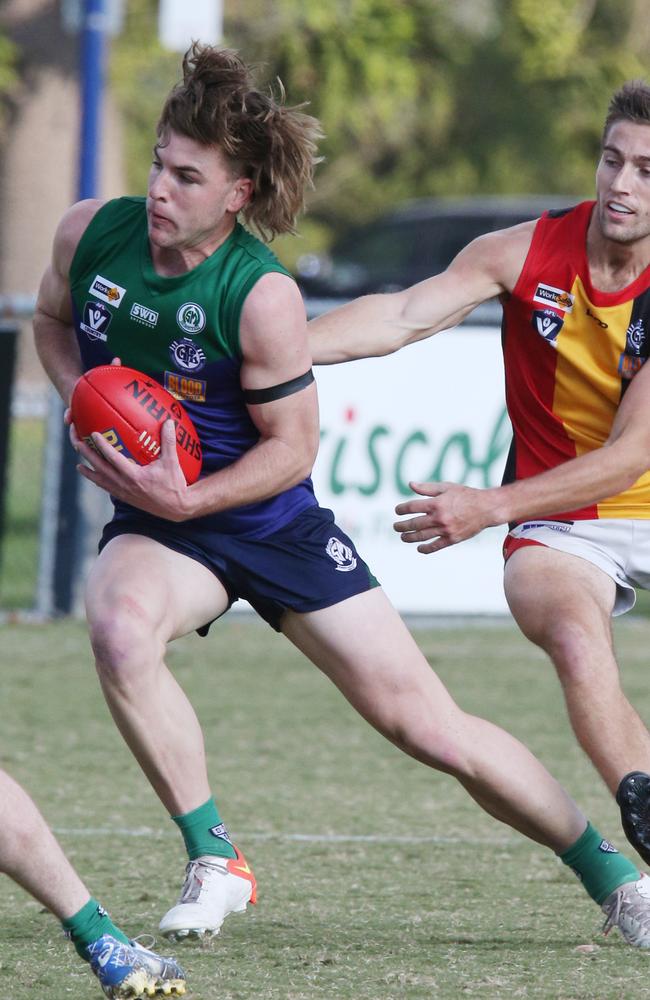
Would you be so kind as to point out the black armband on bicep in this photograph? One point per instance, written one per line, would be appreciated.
(279, 391)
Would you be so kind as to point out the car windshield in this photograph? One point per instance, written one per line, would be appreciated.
(393, 253)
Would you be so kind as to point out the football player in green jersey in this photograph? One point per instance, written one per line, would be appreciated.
(175, 285)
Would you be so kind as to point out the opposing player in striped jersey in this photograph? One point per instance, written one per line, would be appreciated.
(575, 291)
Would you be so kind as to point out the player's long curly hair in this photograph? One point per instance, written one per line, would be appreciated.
(218, 104)
(631, 103)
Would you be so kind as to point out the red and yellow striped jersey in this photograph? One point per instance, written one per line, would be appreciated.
(570, 351)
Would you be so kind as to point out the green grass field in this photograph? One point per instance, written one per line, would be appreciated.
(378, 878)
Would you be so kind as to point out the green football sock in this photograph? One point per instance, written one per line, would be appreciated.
(598, 865)
(89, 924)
(204, 832)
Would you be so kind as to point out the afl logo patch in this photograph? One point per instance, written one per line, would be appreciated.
(551, 296)
(547, 324)
(96, 320)
(191, 318)
(187, 355)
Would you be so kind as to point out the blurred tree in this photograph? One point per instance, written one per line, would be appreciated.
(8, 76)
(141, 74)
(421, 97)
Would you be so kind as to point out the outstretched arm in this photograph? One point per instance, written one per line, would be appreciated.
(447, 513)
(375, 325)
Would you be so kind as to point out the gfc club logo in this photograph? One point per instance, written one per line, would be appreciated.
(186, 355)
(342, 555)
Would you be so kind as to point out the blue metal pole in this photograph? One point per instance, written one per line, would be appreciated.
(70, 521)
(93, 33)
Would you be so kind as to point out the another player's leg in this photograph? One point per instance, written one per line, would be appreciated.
(364, 647)
(31, 855)
(140, 595)
(563, 604)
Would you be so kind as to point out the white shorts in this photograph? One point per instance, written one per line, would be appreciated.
(618, 546)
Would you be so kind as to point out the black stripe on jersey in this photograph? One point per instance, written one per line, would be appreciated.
(279, 391)
(637, 339)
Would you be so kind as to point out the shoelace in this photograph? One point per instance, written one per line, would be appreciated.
(158, 965)
(193, 881)
(627, 905)
(146, 941)
(614, 913)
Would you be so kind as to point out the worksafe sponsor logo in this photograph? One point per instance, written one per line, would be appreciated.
(144, 315)
(191, 318)
(107, 291)
(557, 297)
(96, 320)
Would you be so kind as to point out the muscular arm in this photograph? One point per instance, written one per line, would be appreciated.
(275, 350)
(449, 513)
(376, 325)
(54, 334)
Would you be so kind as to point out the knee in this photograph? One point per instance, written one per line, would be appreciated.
(123, 639)
(440, 743)
(576, 650)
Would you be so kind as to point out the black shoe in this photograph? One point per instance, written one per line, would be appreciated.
(633, 797)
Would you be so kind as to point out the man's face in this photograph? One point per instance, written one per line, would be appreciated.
(623, 183)
(193, 195)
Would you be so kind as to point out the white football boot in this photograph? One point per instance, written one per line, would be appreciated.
(213, 888)
(628, 908)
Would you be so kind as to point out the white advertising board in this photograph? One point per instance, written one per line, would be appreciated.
(434, 411)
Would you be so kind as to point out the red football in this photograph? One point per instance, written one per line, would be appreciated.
(129, 409)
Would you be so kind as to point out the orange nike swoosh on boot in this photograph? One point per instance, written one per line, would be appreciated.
(239, 866)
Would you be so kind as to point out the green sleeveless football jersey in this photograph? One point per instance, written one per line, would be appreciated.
(183, 331)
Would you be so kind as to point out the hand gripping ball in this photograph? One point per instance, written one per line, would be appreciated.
(129, 409)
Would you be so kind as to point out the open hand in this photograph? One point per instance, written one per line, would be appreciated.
(447, 513)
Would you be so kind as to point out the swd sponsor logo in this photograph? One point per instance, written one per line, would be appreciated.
(143, 315)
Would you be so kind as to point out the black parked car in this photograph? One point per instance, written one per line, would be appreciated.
(406, 245)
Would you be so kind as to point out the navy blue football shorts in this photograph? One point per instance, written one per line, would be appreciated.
(307, 565)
